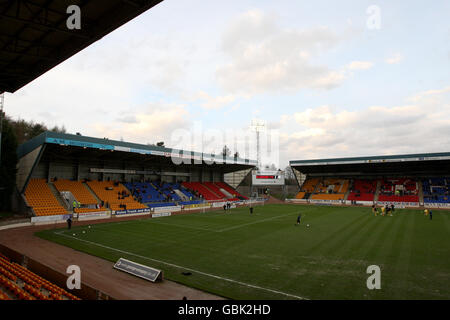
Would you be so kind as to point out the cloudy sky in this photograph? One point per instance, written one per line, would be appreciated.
(332, 78)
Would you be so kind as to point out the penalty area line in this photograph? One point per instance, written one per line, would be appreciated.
(185, 268)
(254, 222)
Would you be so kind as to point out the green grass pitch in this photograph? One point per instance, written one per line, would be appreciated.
(266, 256)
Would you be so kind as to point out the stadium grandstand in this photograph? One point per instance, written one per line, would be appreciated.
(406, 180)
(61, 174)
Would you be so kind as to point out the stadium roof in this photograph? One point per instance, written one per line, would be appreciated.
(81, 143)
(421, 163)
(374, 159)
(34, 37)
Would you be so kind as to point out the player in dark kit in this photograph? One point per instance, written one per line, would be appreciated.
(69, 223)
(388, 209)
(299, 218)
(251, 210)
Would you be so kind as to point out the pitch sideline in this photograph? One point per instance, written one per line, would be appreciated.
(180, 267)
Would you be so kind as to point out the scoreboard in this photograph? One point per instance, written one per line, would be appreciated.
(265, 178)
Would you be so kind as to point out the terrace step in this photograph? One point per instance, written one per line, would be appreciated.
(350, 186)
(420, 187)
(215, 193)
(58, 196)
(377, 191)
(99, 201)
(181, 195)
(226, 193)
(230, 188)
(158, 190)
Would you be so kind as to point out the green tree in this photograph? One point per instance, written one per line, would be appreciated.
(57, 129)
(36, 129)
(25, 130)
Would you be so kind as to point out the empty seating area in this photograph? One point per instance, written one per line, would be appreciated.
(300, 195)
(85, 210)
(115, 195)
(127, 196)
(325, 196)
(211, 191)
(160, 194)
(202, 191)
(169, 190)
(230, 190)
(436, 190)
(363, 190)
(186, 192)
(391, 189)
(399, 190)
(308, 187)
(40, 197)
(145, 192)
(19, 283)
(324, 189)
(215, 189)
(79, 191)
(332, 186)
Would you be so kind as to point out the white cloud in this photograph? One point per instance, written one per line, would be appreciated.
(213, 103)
(395, 58)
(98, 83)
(360, 65)
(325, 131)
(265, 57)
(154, 124)
(71, 96)
(429, 94)
(130, 118)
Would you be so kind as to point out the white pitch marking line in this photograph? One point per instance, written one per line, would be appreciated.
(255, 222)
(180, 267)
(181, 226)
(226, 229)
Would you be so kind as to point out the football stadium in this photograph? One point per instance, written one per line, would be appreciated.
(94, 218)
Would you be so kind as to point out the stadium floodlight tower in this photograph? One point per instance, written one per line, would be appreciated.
(258, 126)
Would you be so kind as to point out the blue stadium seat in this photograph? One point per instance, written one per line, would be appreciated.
(436, 190)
